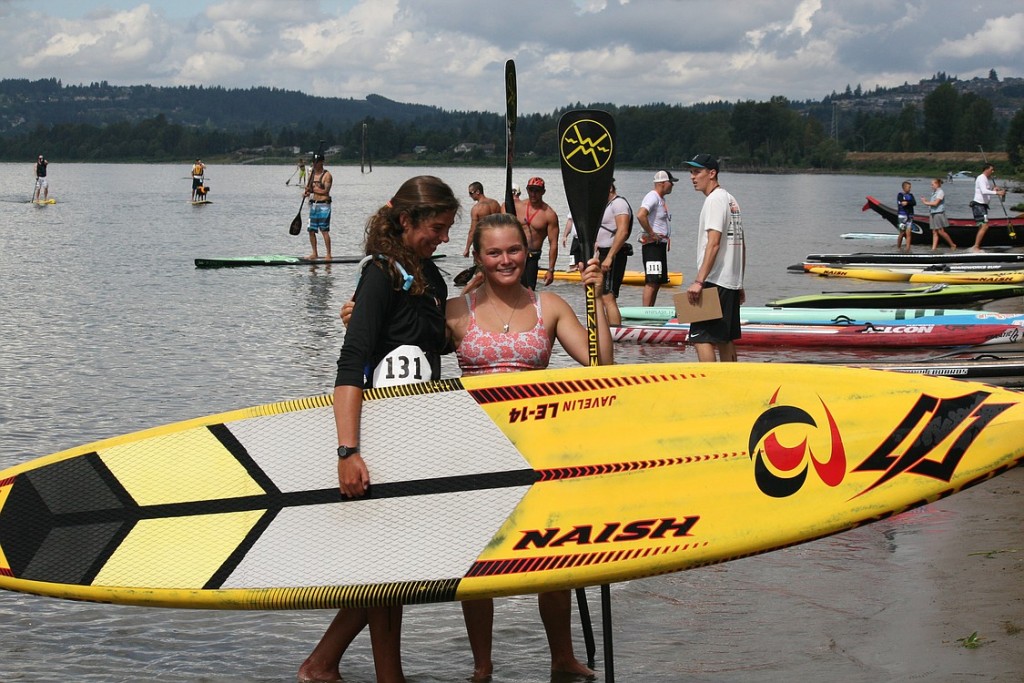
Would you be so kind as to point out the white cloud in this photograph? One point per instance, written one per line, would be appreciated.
(998, 36)
(450, 53)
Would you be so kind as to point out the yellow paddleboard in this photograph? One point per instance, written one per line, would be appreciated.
(632, 277)
(495, 485)
(875, 274)
(991, 277)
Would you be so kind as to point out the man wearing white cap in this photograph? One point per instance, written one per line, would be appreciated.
(656, 238)
(721, 262)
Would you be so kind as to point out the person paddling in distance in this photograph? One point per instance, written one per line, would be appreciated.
(42, 184)
(500, 325)
(398, 316)
(503, 326)
(198, 177)
(318, 189)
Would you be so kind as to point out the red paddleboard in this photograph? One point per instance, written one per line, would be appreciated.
(867, 335)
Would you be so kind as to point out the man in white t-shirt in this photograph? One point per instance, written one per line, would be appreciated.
(984, 190)
(613, 250)
(721, 263)
(656, 237)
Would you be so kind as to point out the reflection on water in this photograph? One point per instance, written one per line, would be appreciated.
(106, 327)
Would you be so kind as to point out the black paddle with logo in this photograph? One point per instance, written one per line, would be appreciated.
(586, 139)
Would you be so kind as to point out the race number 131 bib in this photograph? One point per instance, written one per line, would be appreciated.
(406, 364)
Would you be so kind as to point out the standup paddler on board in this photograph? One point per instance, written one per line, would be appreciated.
(42, 184)
(318, 189)
(500, 325)
(198, 173)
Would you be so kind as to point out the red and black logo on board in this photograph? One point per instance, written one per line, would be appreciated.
(929, 441)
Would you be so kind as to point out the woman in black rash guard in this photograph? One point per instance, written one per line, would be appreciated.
(396, 336)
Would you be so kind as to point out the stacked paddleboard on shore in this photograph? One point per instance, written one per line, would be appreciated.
(925, 333)
(631, 277)
(835, 316)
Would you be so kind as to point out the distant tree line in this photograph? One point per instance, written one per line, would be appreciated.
(751, 135)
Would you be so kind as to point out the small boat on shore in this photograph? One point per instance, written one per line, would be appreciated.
(1002, 230)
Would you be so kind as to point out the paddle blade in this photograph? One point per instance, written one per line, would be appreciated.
(463, 277)
(586, 139)
(511, 112)
(296, 227)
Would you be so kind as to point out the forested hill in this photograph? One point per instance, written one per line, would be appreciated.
(26, 104)
(102, 122)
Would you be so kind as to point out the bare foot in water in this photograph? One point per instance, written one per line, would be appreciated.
(312, 257)
(571, 670)
(306, 675)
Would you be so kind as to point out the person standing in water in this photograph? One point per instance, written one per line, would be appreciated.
(318, 189)
(397, 321)
(42, 184)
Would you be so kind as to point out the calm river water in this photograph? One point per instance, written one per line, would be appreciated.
(106, 327)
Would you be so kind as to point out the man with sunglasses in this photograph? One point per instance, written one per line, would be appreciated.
(539, 220)
(484, 206)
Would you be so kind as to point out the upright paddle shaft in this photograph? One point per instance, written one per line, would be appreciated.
(586, 140)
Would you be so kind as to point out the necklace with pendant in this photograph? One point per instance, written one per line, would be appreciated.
(508, 323)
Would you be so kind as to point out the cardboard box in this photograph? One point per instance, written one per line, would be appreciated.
(706, 308)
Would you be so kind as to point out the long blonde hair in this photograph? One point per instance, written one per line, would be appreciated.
(420, 198)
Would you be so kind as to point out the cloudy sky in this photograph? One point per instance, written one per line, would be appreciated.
(451, 53)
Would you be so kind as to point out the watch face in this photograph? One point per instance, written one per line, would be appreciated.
(345, 451)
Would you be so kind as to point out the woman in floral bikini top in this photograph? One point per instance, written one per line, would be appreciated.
(505, 327)
(482, 352)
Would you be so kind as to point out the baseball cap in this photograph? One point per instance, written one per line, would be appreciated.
(318, 157)
(703, 161)
(515, 189)
(535, 182)
(665, 177)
